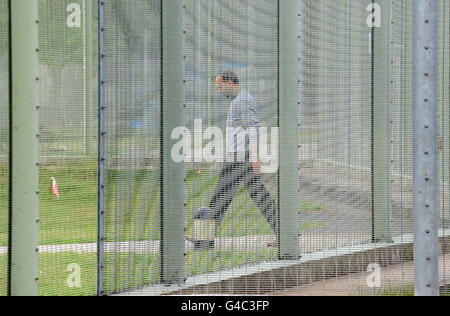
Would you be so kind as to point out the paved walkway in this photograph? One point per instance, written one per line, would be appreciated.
(395, 279)
(307, 243)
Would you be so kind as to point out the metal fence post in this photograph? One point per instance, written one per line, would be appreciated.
(380, 123)
(24, 148)
(101, 149)
(288, 186)
(425, 148)
(172, 173)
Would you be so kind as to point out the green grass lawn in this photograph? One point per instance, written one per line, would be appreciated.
(3, 204)
(57, 276)
(132, 204)
(132, 214)
(71, 218)
(3, 275)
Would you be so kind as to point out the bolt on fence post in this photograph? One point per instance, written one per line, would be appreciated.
(172, 173)
(380, 127)
(24, 148)
(288, 185)
(426, 265)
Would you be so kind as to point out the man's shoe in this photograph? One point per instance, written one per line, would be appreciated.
(201, 244)
(274, 243)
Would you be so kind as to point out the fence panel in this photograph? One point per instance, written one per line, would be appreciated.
(132, 144)
(4, 144)
(335, 134)
(443, 141)
(355, 132)
(241, 37)
(341, 136)
(335, 65)
(68, 147)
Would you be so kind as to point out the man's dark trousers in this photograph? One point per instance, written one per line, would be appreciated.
(232, 176)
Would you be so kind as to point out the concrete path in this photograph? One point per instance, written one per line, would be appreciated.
(308, 243)
(395, 279)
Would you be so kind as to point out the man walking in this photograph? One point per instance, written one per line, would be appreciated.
(238, 168)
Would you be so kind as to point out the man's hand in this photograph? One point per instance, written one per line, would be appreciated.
(256, 163)
(256, 166)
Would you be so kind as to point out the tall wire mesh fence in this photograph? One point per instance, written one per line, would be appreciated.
(443, 137)
(335, 137)
(4, 143)
(355, 235)
(239, 36)
(337, 55)
(337, 126)
(68, 147)
(132, 143)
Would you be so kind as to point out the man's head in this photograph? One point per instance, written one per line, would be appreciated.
(227, 83)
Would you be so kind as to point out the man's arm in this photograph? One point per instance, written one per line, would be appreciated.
(247, 118)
